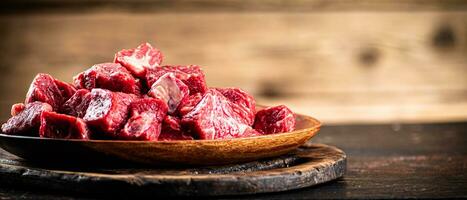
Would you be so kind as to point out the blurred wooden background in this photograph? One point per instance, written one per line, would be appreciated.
(341, 61)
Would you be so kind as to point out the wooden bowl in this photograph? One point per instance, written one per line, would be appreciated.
(195, 152)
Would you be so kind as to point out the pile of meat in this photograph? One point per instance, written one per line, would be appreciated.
(136, 98)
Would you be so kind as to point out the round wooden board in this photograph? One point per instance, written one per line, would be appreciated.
(309, 165)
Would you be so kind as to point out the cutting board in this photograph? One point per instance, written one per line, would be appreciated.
(309, 165)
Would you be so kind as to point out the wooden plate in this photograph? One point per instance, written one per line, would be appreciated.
(196, 152)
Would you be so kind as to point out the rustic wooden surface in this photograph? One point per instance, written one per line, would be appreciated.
(38, 6)
(310, 165)
(354, 61)
(349, 65)
(384, 161)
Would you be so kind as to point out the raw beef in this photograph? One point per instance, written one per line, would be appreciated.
(252, 133)
(27, 121)
(55, 125)
(67, 90)
(134, 98)
(17, 108)
(139, 59)
(145, 121)
(277, 119)
(111, 76)
(171, 130)
(191, 75)
(170, 90)
(187, 104)
(45, 88)
(108, 111)
(77, 104)
(214, 117)
(246, 103)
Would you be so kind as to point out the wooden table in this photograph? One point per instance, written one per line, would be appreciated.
(384, 161)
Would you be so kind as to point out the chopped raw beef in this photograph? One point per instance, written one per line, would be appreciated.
(77, 104)
(55, 125)
(171, 123)
(145, 121)
(214, 117)
(45, 88)
(246, 103)
(252, 133)
(111, 76)
(67, 90)
(134, 98)
(171, 130)
(170, 90)
(187, 104)
(27, 121)
(108, 111)
(139, 59)
(17, 108)
(191, 75)
(277, 119)
(171, 135)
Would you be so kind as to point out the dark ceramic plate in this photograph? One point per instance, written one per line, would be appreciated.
(195, 152)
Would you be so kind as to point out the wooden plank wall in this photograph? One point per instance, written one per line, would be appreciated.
(398, 61)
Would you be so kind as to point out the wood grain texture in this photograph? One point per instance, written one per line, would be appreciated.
(385, 161)
(314, 164)
(40, 6)
(342, 67)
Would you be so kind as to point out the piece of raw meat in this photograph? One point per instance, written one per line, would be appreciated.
(108, 111)
(145, 121)
(171, 123)
(17, 108)
(214, 117)
(188, 103)
(111, 76)
(246, 103)
(171, 130)
(277, 119)
(55, 125)
(27, 121)
(170, 90)
(252, 133)
(191, 75)
(67, 90)
(139, 59)
(77, 104)
(45, 88)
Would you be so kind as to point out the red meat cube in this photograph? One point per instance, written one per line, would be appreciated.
(145, 121)
(27, 121)
(111, 76)
(139, 59)
(252, 133)
(108, 111)
(188, 103)
(277, 119)
(67, 90)
(246, 103)
(170, 90)
(171, 130)
(45, 88)
(77, 104)
(191, 75)
(55, 125)
(171, 123)
(214, 117)
(17, 108)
